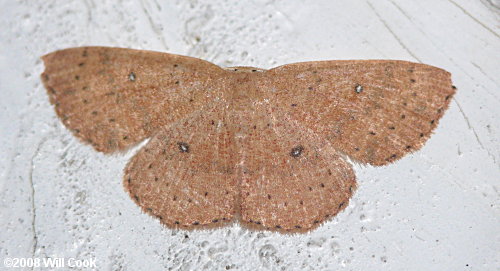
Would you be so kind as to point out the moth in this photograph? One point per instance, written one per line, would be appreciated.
(269, 148)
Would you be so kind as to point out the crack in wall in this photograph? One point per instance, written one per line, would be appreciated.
(33, 205)
(474, 131)
(392, 33)
(487, 76)
(154, 27)
(474, 19)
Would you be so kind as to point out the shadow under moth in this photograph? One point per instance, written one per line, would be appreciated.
(265, 147)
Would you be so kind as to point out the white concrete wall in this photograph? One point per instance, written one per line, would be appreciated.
(437, 209)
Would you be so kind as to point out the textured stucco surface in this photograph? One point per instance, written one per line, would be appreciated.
(437, 209)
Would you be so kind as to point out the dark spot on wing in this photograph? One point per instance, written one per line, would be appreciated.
(297, 151)
(183, 147)
(358, 88)
(131, 76)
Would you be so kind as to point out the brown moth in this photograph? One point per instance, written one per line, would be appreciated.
(264, 146)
